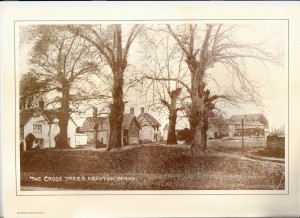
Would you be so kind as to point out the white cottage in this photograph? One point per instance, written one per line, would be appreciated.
(149, 127)
(42, 125)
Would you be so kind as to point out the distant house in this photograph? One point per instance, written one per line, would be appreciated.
(213, 131)
(89, 125)
(250, 124)
(41, 125)
(149, 127)
(130, 128)
(97, 128)
(252, 117)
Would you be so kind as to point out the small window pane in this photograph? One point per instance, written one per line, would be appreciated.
(37, 128)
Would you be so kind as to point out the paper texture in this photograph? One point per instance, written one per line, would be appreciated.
(32, 202)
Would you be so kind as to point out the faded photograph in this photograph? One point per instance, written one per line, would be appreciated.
(200, 105)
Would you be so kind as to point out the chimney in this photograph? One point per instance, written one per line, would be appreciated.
(132, 110)
(142, 110)
(94, 112)
(41, 104)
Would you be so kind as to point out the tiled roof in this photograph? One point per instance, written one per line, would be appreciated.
(151, 120)
(248, 116)
(246, 122)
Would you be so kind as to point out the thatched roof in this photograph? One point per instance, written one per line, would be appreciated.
(26, 115)
(149, 119)
(51, 114)
(127, 120)
(89, 123)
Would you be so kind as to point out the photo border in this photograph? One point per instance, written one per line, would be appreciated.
(18, 183)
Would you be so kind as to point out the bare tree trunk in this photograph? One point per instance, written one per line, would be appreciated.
(172, 107)
(116, 113)
(198, 117)
(64, 117)
(172, 128)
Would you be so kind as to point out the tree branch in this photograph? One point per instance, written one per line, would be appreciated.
(171, 79)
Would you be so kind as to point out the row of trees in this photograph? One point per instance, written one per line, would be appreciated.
(72, 62)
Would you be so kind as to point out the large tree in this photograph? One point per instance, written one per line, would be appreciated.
(113, 43)
(167, 70)
(205, 46)
(63, 61)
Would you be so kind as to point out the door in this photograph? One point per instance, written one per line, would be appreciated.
(29, 141)
(125, 137)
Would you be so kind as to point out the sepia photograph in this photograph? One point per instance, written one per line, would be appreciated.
(185, 105)
(112, 109)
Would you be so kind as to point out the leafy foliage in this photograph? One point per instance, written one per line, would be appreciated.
(31, 89)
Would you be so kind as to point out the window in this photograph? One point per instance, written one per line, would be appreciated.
(37, 128)
(40, 142)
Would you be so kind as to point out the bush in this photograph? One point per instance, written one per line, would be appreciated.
(146, 141)
(100, 144)
(183, 135)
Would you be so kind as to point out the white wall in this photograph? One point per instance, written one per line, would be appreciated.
(80, 139)
(49, 131)
(28, 128)
(54, 132)
(104, 136)
(165, 134)
(71, 133)
(147, 133)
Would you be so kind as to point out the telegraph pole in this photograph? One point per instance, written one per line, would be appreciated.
(243, 134)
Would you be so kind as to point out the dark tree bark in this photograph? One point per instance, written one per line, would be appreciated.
(197, 113)
(172, 139)
(116, 112)
(109, 44)
(172, 107)
(64, 115)
(167, 74)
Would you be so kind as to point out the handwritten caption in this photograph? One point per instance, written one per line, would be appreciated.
(82, 179)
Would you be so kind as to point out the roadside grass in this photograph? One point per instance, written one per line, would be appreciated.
(270, 153)
(235, 145)
(148, 168)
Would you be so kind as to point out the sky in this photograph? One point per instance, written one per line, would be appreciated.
(272, 79)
